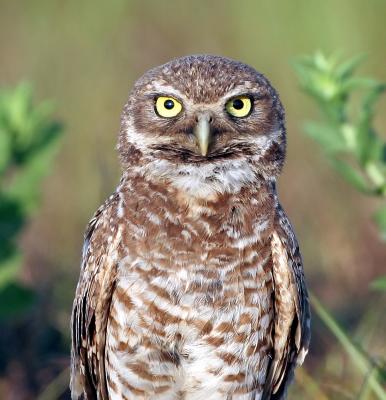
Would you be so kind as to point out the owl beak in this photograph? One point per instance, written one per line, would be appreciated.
(203, 133)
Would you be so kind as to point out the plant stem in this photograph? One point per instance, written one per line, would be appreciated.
(357, 357)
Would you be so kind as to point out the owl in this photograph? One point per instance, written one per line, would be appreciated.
(192, 284)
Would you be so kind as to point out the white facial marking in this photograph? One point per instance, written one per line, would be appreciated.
(166, 90)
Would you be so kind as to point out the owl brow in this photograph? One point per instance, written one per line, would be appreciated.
(154, 95)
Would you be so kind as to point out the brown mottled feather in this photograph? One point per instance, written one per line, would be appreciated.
(292, 313)
(91, 309)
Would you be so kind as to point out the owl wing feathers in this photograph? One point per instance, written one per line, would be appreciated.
(91, 308)
(291, 334)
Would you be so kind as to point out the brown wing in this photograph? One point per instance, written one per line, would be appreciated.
(292, 313)
(91, 307)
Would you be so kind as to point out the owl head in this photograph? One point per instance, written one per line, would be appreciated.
(203, 123)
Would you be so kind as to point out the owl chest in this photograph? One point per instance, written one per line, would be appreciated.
(178, 286)
(186, 307)
(194, 266)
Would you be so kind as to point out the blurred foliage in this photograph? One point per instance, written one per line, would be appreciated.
(379, 284)
(358, 153)
(349, 139)
(28, 142)
(347, 136)
(371, 372)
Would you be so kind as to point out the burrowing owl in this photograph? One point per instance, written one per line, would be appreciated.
(192, 283)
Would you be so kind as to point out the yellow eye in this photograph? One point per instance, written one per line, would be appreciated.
(239, 106)
(167, 107)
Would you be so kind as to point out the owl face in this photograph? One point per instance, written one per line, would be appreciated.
(203, 111)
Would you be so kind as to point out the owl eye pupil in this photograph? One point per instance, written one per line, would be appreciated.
(169, 104)
(238, 104)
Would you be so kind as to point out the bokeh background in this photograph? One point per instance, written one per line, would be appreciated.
(85, 56)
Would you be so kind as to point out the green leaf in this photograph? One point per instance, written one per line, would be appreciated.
(357, 83)
(14, 109)
(370, 146)
(354, 177)
(372, 97)
(28, 142)
(5, 150)
(379, 284)
(12, 218)
(327, 136)
(15, 300)
(40, 132)
(10, 268)
(383, 156)
(347, 68)
(25, 188)
(34, 138)
(380, 220)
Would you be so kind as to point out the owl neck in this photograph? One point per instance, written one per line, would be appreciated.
(201, 180)
(247, 213)
(195, 186)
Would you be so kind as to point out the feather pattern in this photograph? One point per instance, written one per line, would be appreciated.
(191, 285)
(292, 313)
(90, 310)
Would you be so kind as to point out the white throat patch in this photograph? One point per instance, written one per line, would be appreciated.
(204, 180)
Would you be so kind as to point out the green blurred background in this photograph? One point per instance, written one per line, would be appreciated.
(85, 56)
